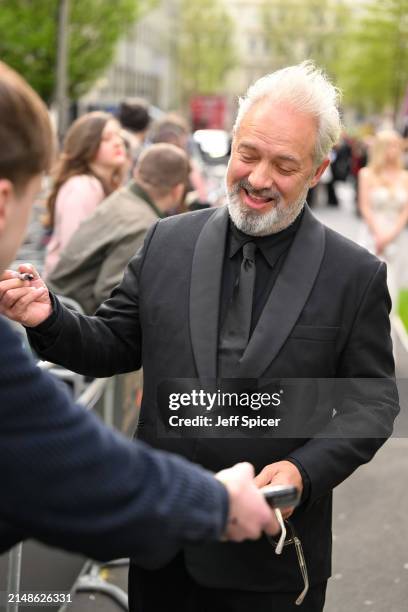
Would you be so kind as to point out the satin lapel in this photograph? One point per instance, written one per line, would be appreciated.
(287, 298)
(205, 290)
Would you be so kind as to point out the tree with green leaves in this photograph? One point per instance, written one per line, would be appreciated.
(205, 50)
(295, 30)
(374, 60)
(28, 39)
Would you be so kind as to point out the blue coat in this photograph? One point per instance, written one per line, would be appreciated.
(71, 482)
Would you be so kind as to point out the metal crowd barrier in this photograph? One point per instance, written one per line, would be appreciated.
(91, 394)
(90, 581)
(101, 389)
(14, 575)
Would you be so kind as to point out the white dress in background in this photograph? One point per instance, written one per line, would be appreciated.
(387, 204)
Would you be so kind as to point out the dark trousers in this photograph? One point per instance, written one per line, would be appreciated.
(172, 588)
(331, 195)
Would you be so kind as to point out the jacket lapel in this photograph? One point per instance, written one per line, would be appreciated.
(287, 298)
(206, 276)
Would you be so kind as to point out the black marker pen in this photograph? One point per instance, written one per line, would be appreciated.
(24, 276)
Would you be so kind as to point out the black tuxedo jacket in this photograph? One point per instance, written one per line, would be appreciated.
(326, 317)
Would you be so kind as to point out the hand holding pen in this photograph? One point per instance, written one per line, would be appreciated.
(24, 296)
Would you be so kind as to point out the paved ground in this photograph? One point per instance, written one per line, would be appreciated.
(370, 529)
(370, 526)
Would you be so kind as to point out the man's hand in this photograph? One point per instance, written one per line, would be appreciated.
(382, 240)
(27, 302)
(284, 473)
(249, 514)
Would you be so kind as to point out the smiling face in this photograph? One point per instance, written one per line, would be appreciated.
(271, 168)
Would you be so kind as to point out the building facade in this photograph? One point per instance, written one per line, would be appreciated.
(143, 65)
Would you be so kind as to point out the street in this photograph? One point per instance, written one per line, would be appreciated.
(370, 530)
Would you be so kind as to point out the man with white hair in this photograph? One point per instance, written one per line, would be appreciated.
(255, 290)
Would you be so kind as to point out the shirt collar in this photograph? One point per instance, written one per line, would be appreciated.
(141, 193)
(270, 246)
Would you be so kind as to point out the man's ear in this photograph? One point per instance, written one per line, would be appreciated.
(6, 191)
(178, 193)
(319, 171)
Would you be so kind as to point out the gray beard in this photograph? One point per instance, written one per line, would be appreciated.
(263, 224)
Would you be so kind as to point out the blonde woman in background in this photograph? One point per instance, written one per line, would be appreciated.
(383, 202)
(90, 167)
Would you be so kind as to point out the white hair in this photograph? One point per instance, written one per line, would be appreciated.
(305, 88)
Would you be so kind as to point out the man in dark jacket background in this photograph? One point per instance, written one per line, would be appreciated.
(93, 261)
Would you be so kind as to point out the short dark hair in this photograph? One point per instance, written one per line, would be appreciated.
(134, 114)
(162, 166)
(170, 128)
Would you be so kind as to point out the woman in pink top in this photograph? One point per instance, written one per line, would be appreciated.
(90, 167)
